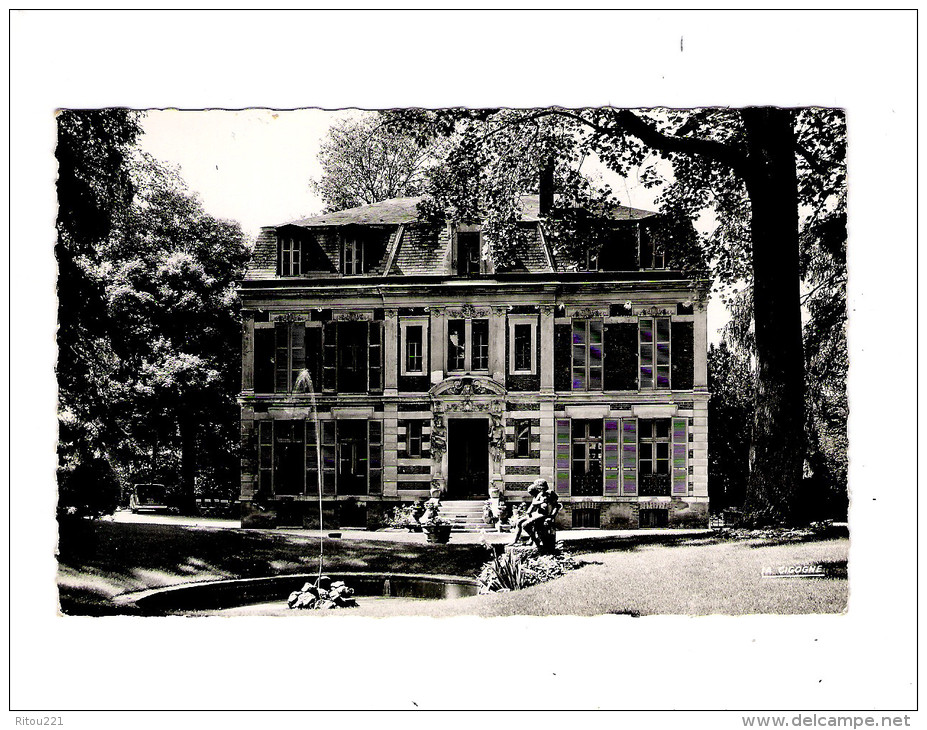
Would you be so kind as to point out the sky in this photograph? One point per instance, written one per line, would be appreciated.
(254, 166)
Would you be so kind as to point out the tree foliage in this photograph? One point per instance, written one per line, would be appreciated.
(365, 161)
(770, 178)
(169, 279)
(148, 354)
(731, 382)
(94, 191)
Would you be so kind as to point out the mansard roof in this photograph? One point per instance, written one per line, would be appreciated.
(391, 212)
(398, 211)
(408, 246)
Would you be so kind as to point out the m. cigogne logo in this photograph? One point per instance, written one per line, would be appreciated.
(811, 570)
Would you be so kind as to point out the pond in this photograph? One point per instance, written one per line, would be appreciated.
(267, 596)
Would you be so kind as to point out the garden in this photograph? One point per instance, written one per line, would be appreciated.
(635, 574)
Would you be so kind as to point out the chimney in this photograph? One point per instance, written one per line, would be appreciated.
(546, 189)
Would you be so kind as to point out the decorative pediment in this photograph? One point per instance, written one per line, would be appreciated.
(288, 317)
(468, 311)
(351, 316)
(588, 313)
(467, 387)
(654, 311)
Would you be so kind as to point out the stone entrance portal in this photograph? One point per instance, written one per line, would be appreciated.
(467, 458)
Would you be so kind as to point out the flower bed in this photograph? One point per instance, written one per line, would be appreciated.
(521, 567)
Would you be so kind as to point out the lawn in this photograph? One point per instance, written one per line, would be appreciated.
(695, 576)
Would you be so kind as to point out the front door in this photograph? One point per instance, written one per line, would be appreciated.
(467, 458)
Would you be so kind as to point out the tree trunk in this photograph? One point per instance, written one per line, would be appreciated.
(778, 444)
(187, 466)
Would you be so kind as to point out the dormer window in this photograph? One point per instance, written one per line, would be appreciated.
(290, 259)
(468, 259)
(652, 255)
(354, 259)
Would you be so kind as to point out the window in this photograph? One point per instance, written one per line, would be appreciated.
(290, 260)
(456, 345)
(522, 335)
(414, 439)
(414, 350)
(468, 253)
(652, 255)
(586, 479)
(480, 351)
(467, 345)
(522, 438)
(654, 518)
(587, 354)
(523, 345)
(586, 517)
(653, 454)
(352, 357)
(592, 258)
(654, 353)
(280, 357)
(353, 261)
(352, 457)
(281, 457)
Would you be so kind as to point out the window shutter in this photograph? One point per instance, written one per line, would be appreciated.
(580, 351)
(612, 457)
(328, 458)
(281, 358)
(297, 351)
(683, 362)
(283, 267)
(314, 356)
(330, 356)
(595, 354)
(375, 457)
(426, 439)
(266, 456)
(563, 457)
(312, 458)
(628, 456)
(402, 442)
(621, 356)
(680, 448)
(263, 360)
(562, 357)
(376, 356)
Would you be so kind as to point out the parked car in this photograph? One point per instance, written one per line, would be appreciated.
(148, 498)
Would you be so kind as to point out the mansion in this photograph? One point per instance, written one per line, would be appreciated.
(382, 356)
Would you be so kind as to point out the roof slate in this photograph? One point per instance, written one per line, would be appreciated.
(405, 210)
(422, 249)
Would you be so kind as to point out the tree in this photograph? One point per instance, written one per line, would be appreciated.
(170, 278)
(365, 161)
(94, 191)
(764, 172)
(148, 330)
(730, 413)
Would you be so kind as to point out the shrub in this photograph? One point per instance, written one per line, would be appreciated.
(523, 567)
(90, 489)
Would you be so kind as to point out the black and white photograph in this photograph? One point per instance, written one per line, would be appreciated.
(492, 334)
(486, 389)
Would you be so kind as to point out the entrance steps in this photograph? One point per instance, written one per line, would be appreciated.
(466, 516)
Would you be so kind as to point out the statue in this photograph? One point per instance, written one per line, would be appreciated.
(539, 521)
